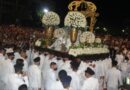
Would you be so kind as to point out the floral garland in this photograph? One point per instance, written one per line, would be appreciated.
(98, 40)
(60, 32)
(88, 37)
(51, 19)
(75, 19)
(88, 51)
(38, 43)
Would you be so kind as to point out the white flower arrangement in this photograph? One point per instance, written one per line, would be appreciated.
(98, 40)
(51, 19)
(38, 43)
(60, 32)
(82, 37)
(88, 37)
(75, 19)
(73, 52)
(88, 51)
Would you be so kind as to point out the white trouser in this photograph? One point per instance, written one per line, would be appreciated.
(31, 88)
(2, 86)
(112, 88)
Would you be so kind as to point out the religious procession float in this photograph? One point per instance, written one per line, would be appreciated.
(76, 38)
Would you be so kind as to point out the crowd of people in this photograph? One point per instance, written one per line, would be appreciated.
(18, 35)
(25, 68)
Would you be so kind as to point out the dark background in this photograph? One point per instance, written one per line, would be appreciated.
(114, 14)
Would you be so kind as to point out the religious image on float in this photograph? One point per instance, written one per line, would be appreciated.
(75, 37)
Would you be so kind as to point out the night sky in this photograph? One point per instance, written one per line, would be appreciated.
(112, 12)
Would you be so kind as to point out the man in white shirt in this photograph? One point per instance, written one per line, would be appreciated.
(34, 75)
(66, 63)
(46, 65)
(113, 77)
(8, 67)
(42, 59)
(15, 80)
(2, 60)
(23, 56)
(75, 83)
(51, 76)
(124, 68)
(119, 58)
(90, 83)
(19, 62)
(128, 66)
(57, 85)
(16, 54)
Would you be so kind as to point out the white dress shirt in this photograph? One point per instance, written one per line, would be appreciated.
(42, 60)
(57, 85)
(75, 82)
(113, 77)
(90, 84)
(25, 67)
(14, 81)
(119, 58)
(50, 79)
(2, 57)
(7, 70)
(66, 66)
(34, 74)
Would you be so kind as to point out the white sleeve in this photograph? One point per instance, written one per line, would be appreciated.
(26, 80)
(83, 87)
(39, 79)
(11, 68)
(25, 67)
(97, 85)
(105, 80)
(119, 78)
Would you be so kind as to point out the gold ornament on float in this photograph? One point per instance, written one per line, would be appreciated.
(75, 20)
(87, 8)
(49, 32)
(50, 20)
(73, 35)
(49, 35)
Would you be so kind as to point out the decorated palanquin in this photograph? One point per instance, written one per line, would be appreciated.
(76, 37)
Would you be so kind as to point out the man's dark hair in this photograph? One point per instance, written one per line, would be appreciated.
(20, 62)
(66, 81)
(18, 69)
(52, 63)
(114, 63)
(62, 74)
(10, 54)
(23, 87)
(89, 71)
(74, 65)
(37, 59)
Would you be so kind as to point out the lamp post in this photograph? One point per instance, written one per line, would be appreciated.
(45, 10)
